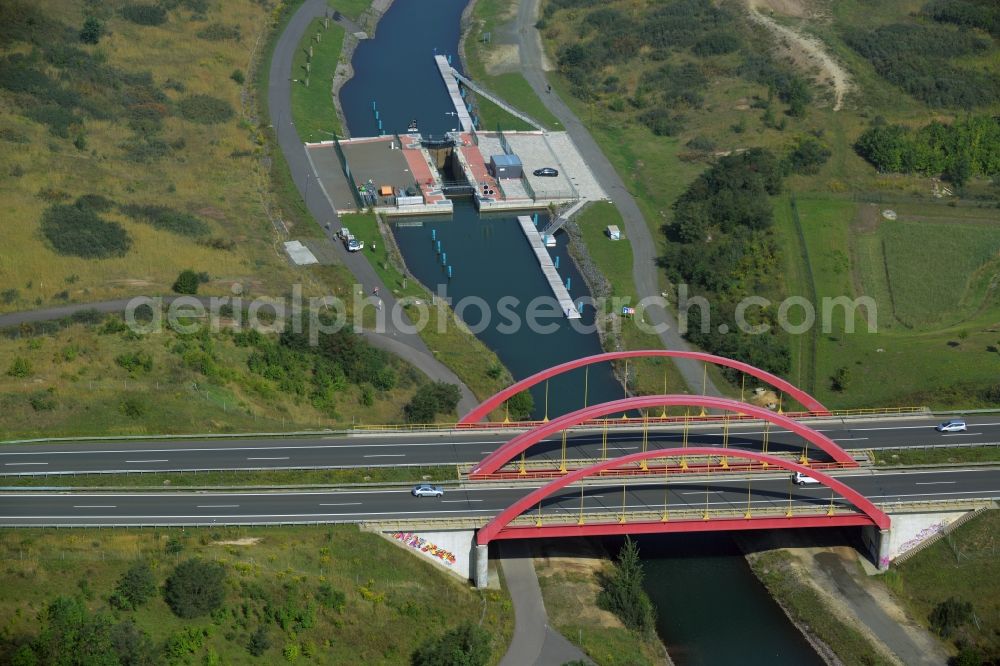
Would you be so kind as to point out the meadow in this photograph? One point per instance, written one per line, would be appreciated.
(327, 594)
(312, 104)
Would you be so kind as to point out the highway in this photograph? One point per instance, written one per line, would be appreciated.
(370, 449)
(46, 507)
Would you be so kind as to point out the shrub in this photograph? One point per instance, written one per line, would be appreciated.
(83, 233)
(133, 407)
(44, 401)
(217, 32)
(466, 645)
(949, 615)
(142, 14)
(20, 367)
(91, 31)
(716, 43)
(259, 642)
(430, 400)
(330, 597)
(96, 202)
(168, 219)
(521, 406)
(9, 296)
(196, 587)
(841, 378)
(807, 156)
(186, 283)
(58, 119)
(237, 76)
(133, 361)
(205, 109)
(134, 587)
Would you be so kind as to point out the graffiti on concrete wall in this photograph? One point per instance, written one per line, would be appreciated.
(423, 545)
(921, 536)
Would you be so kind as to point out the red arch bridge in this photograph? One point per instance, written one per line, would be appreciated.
(493, 466)
(661, 505)
(811, 404)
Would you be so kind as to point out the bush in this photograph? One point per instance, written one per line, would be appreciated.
(466, 645)
(196, 587)
(205, 109)
(330, 597)
(841, 378)
(142, 14)
(91, 31)
(83, 233)
(217, 32)
(186, 283)
(622, 593)
(133, 361)
(949, 615)
(95, 202)
(716, 43)
(133, 407)
(167, 219)
(20, 367)
(237, 76)
(259, 642)
(430, 400)
(43, 401)
(807, 156)
(134, 587)
(521, 406)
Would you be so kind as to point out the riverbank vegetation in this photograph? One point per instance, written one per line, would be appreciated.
(98, 377)
(951, 587)
(683, 88)
(232, 595)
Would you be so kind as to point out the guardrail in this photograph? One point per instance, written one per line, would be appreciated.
(569, 516)
(922, 447)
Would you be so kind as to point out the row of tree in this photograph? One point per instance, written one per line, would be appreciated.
(965, 148)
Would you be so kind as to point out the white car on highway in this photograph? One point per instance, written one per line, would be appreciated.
(954, 425)
(427, 490)
(800, 479)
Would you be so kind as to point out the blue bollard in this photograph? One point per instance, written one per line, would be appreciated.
(373, 105)
(380, 126)
(567, 282)
(376, 115)
(449, 58)
(444, 258)
(433, 234)
(557, 261)
(449, 272)
(439, 247)
(579, 306)
(535, 219)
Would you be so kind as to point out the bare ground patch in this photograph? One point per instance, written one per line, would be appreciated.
(575, 563)
(244, 541)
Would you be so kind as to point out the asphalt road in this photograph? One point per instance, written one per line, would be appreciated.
(44, 507)
(381, 450)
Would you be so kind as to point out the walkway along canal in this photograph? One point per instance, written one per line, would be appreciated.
(491, 259)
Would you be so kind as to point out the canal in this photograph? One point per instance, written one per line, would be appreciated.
(701, 585)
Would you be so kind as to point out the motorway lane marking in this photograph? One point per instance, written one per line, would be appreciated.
(27, 463)
(146, 461)
(246, 448)
(932, 494)
(217, 506)
(845, 439)
(281, 458)
(463, 500)
(340, 503)
(960, 434)
(256, 515)
(933, 483)
(387, 455)
(94, 506)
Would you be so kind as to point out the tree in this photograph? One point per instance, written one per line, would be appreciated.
(134, 587)
(622, 593)
(91, 31)
(520, 406)
(465, 645)
(196, 587)
(430, 400)
(187, 282)
(259, 642)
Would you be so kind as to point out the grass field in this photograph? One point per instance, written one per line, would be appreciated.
(937, 364)
(312, 106)
(384, 617)
(963, 565)
(938, 456)
(196, 176)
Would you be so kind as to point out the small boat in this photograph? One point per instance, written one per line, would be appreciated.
(413, 126)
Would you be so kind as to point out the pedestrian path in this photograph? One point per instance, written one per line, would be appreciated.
(451, 83)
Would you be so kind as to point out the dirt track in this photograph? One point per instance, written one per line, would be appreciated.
(804, 50)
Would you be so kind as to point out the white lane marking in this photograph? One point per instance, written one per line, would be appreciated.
(848, 439)
(462, 500)
(387, 455)
(933, 483)
(28, 463)
(960, 434)
(932, 494)
(248, 516)
(340, 503)
(626, 448)
(217, 506)
(147, 461)
(249, 448)
(94, 506)
(281, 458)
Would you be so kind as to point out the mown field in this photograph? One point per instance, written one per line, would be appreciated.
(312, 104)
(328, 595)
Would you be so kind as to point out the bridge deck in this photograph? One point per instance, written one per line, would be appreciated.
(551, 274)
(451, 83)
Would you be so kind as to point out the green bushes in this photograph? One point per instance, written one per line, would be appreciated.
(134, 588)
(807, 156)
(982, 14)
(81, 232)
(205, 109)
(622, 592)
(135, 361)
(465, 645)
(167, 219)
(949, 615)
(430, 400)
(915, 58)
(186, 283)
(196, 587)
(143, 14)
(91, 31)
(19, 368)
(217, 32)
(966, 147)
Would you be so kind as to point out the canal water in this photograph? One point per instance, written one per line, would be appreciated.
(712, 610)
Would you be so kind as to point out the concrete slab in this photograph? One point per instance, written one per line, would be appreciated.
(378, 160)
(326, 166)
(299, 253)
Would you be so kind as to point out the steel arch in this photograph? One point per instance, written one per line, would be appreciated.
(508, 451)
(873, 515)
(488, 405)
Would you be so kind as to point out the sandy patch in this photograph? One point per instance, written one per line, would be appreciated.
(502, 58)
(577, 562)
(245, 541)
(807, 52)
